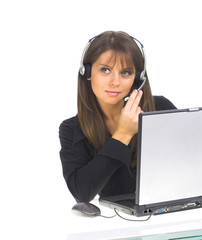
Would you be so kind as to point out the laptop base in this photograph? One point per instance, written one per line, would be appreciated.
(129, 207)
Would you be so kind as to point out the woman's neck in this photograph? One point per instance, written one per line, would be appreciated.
(111, 116)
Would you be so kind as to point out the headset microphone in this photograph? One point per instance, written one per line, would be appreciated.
(133, 87)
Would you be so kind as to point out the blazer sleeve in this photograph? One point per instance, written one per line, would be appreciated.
(84, 174)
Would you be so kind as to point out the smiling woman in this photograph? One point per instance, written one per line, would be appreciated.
(99, 145)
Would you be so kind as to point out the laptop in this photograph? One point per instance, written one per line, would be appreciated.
(169, 164)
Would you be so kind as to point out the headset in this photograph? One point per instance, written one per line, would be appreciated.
(140, 78)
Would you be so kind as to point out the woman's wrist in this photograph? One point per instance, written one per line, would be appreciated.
(122, 137)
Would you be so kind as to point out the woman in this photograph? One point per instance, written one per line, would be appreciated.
(99, 145)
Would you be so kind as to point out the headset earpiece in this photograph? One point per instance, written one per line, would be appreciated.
(142, 75)
(85, 69)
(87, 72)
(137, 80)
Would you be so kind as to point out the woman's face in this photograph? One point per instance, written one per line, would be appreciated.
(111, 81)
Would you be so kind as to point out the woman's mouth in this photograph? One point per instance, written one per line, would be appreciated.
(112, 93)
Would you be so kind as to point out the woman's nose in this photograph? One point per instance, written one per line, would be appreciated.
(115, 79)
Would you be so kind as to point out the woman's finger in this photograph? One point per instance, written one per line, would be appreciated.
(131, 100)
(136, 101)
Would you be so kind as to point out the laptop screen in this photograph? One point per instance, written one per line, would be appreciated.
(169, 156)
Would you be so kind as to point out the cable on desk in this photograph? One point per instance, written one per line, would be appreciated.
(132, 220)
(107, 216)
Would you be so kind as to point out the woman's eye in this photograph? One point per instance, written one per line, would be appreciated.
(105, 70)
(126, 73)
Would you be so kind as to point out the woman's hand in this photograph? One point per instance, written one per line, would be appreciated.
(128, 121)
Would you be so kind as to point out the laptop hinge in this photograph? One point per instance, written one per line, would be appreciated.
(194, 109)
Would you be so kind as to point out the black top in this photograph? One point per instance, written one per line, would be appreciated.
(108, 173)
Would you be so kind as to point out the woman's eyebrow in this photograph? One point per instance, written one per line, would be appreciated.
(128, 69)
(131, 69)
(105, 65)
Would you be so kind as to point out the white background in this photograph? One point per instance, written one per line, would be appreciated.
(41, 43)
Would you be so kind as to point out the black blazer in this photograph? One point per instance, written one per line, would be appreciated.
(108, 173)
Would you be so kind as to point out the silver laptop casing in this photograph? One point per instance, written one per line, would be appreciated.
(169, 164)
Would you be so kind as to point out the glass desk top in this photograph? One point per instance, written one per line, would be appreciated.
(187, 235)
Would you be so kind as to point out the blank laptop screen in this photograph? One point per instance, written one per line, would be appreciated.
(171, 156)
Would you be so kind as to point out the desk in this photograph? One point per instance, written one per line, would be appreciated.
(98, 228)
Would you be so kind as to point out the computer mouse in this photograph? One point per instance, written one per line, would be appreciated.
(87, 209)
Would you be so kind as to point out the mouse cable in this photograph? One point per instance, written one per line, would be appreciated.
(132, 220)
(107, 216)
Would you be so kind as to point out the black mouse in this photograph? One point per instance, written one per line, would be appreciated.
(86, 209)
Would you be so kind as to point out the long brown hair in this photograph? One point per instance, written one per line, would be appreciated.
(90, 115)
